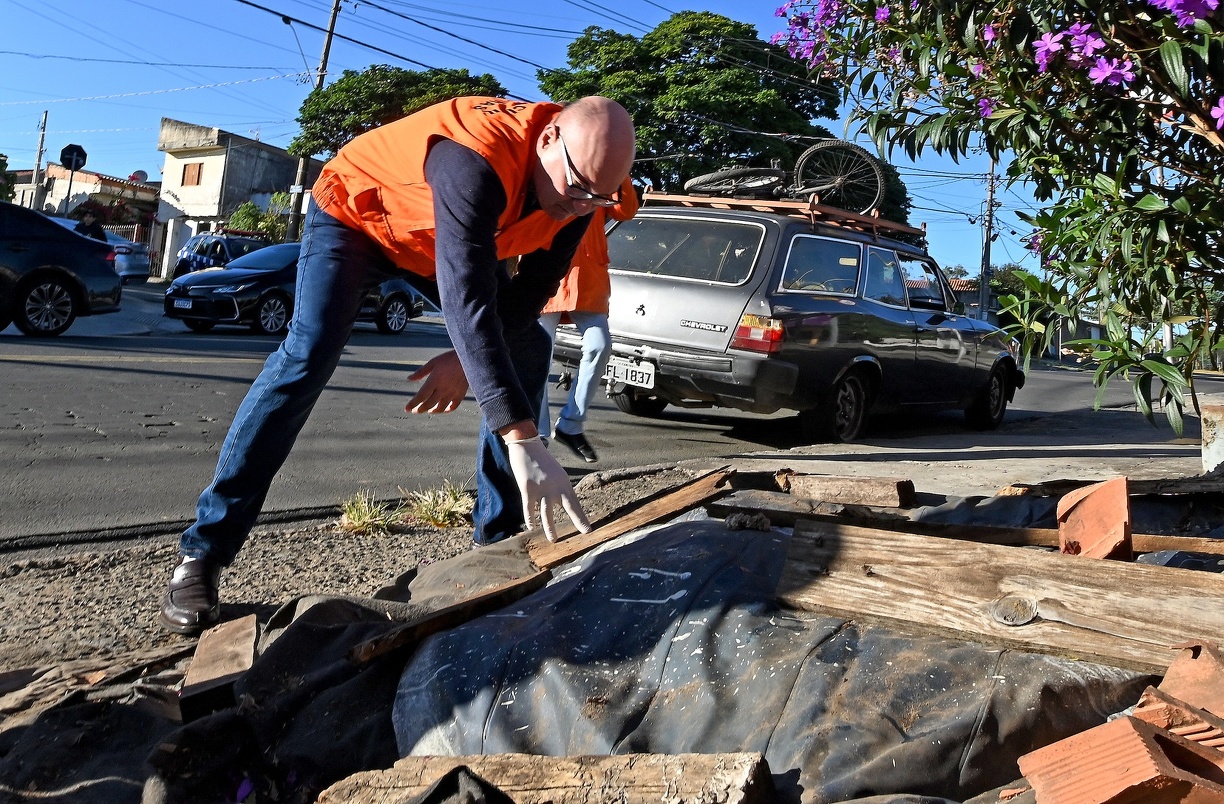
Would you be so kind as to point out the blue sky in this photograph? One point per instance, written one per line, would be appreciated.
(107, 71)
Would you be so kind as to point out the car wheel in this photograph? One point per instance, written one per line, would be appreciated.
(842, 416)
(271, 316)
(199, 326)
(986, 412)
(45, 307)
(636, 404)
(392, 319)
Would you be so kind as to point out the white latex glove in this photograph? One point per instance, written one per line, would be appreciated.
(543, 485)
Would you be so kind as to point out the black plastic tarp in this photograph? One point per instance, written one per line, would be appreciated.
(671, 642)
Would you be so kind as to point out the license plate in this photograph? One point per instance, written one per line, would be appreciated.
(182, 304)
(630, 372)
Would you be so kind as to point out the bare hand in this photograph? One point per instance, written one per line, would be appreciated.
(445, 385)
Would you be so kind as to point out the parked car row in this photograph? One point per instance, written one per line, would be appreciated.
(768, 310)
(49, 275)
(257, 290)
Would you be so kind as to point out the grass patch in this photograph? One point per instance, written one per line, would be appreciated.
(363, 514)
(445, 507)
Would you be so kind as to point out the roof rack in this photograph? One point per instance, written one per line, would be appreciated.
(816, 213)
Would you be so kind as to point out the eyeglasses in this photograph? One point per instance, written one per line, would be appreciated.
(575, 190)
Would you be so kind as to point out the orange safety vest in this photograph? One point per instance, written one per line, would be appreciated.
(376, 183)
(586, 286)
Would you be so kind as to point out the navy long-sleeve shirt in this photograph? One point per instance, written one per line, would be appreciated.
(479, 300)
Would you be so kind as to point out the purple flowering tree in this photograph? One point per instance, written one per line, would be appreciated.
(1111, 113)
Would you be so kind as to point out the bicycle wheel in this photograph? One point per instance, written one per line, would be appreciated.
(746, 182)
(842, 174)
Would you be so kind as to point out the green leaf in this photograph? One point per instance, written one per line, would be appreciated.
(1105, 184)
(1151, 203)
(1182, 205)
(1143, 395)
(1165, 371)
(1173, 410)
(1175, 65)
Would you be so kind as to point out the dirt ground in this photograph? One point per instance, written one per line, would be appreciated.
(104, 602)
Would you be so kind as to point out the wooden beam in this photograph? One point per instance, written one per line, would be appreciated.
(547, 554)
(886, 492)
(1128, 615)
(784, 509)
(223, 654)
(527, 779)
(411, 633)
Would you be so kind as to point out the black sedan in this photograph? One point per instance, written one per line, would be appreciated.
(256, 290)
(49, 276)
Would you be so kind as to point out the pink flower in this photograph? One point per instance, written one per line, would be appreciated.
(1112, 72)
(882, 14)
(989, 34)
(1045, 47)
(1218, 113)
(977, 68)
(985, 107)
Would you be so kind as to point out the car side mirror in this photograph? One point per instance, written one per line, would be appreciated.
(959, 308)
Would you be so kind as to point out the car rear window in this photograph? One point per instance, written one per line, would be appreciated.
(821, 265)
(684, 248)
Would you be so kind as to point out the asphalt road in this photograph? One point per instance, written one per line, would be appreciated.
(104, 431)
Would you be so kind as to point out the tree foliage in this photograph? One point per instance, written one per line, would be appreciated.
(699, 86)
(273, 222)
(8, 185)
(357, 102)
(1112, 113)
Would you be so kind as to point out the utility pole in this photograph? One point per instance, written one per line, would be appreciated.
(295, 192)
(37, 201)
(987, 237)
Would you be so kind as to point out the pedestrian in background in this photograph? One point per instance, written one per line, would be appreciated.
(583, 301)
(90, 227)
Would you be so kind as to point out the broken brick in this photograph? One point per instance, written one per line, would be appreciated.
(1196, 676)
(1095, 521)
(1175, 715)
(1125, 760)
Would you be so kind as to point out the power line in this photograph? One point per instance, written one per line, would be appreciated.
(494, 25)
(150, 91)
(137, 62)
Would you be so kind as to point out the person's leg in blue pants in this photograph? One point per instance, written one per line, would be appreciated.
(337, 267)
(549, 321)
(596, 347)
(499, 509)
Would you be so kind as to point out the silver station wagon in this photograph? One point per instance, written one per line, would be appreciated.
(767, 306)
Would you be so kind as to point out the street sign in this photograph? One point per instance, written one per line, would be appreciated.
(73, 157)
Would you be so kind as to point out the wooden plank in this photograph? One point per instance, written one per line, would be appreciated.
(1128, 615)
(410, 634)
(223, 654)
(885, 492)
(784, 509)
(1173, 486)
(626, 779)
(547, 554)
(807, 209)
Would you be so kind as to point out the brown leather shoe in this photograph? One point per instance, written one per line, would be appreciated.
(191, 603)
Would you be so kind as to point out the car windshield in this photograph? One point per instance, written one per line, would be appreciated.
(712, 251)
(241, 246)
(270, 258)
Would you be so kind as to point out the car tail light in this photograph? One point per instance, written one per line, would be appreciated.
(758, 334)
(110, 256)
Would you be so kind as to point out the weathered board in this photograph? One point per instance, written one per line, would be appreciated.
(783, 509)
(546, 554)
(1128, 615)
(888, 492)
(527, 779)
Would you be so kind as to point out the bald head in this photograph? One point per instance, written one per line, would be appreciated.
(589, 145)
(607, 131)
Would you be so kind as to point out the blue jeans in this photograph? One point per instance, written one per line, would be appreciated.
(498, 513)
(596, 347)
(336, 269)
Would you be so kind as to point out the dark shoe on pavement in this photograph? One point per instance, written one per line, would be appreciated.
(191, 603)
(578, 443)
